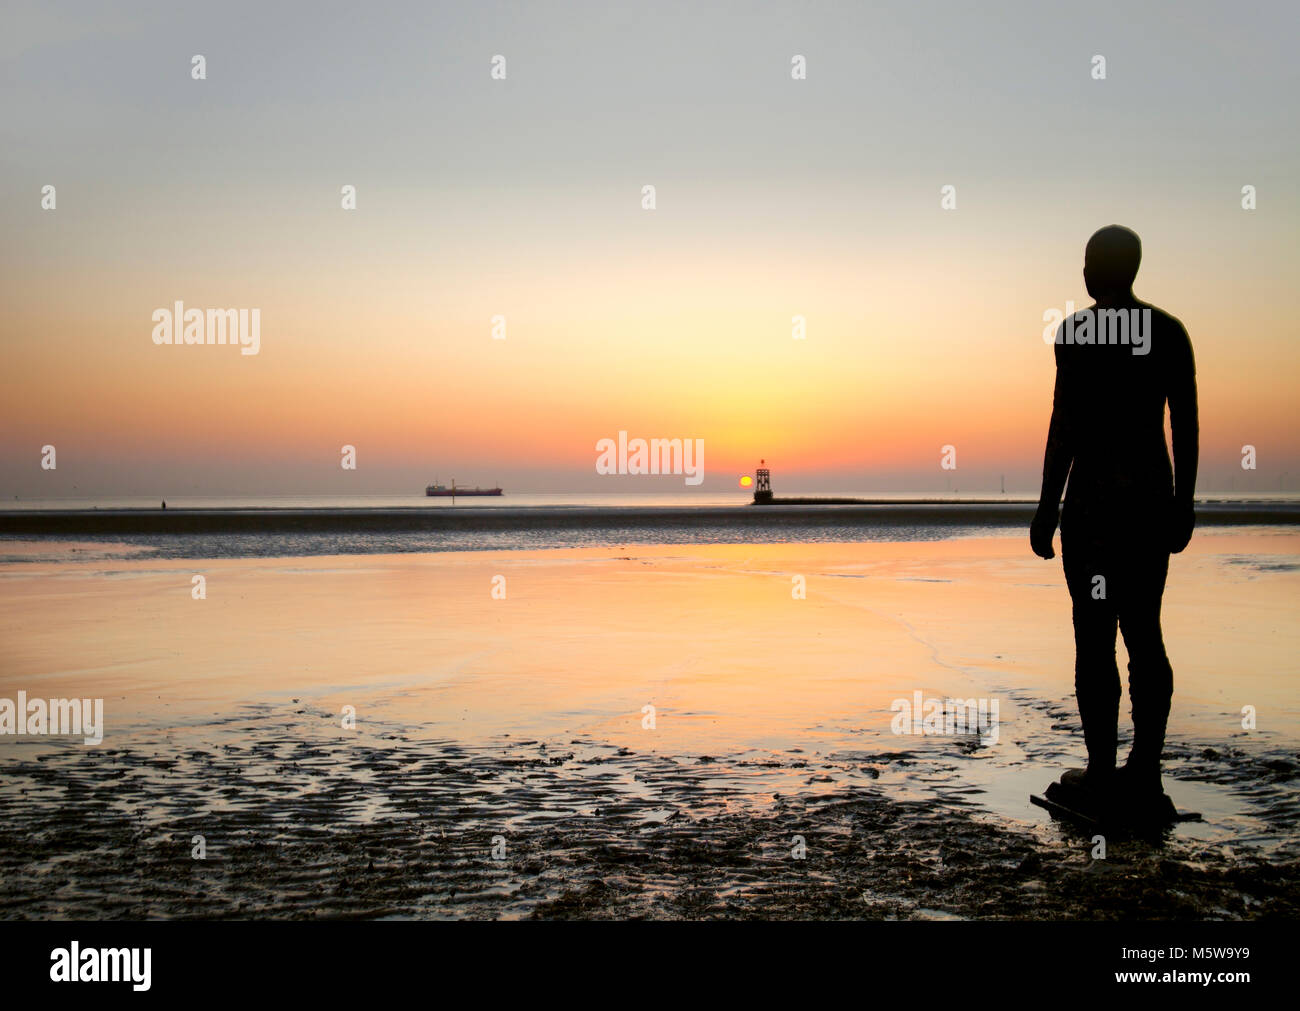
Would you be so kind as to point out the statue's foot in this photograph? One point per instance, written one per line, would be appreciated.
(1084, 790)
(1143, 796)
(1091, 779)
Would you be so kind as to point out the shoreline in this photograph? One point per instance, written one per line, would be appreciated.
(415, 519)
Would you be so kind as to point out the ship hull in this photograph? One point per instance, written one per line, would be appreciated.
(432, 492)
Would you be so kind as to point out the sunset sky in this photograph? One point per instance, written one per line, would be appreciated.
(523, 197)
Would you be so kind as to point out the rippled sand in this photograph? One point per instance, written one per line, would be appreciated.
(518, 724)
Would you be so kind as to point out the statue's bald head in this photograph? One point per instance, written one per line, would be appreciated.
(1110, 263)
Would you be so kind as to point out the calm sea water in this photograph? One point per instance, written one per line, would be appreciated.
(551, 500)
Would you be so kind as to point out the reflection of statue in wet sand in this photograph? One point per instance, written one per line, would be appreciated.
(1117, 364)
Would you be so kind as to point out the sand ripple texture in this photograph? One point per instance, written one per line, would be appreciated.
(298, 821)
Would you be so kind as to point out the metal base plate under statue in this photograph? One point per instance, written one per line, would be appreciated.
(1096, 811)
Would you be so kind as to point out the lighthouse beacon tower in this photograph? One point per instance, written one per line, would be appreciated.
(763, 484)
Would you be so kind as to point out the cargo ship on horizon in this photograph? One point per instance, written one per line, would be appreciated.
(436, 490)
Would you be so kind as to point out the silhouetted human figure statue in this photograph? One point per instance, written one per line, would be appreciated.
(1125, 510)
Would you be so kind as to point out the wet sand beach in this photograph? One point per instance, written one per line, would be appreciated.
(502, 762)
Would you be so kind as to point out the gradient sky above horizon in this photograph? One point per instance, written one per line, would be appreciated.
(522, 197)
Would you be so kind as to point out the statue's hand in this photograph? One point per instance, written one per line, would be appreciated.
(1041, 532)
(1182, 521)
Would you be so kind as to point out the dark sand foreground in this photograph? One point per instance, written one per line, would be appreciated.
(396, 828)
